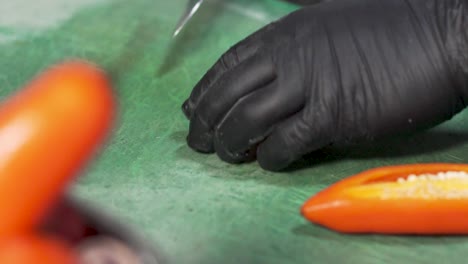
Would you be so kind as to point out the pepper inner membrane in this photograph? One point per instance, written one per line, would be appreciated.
(441, 185)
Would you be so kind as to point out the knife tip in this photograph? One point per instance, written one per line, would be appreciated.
(176, 32)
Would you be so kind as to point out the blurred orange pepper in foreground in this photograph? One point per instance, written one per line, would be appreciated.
(35, 249)
(48, 130)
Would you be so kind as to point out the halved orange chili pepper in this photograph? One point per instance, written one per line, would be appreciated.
(47, 131)
(406, 199)
(34, 249)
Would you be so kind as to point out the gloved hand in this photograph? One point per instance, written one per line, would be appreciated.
(336, 72)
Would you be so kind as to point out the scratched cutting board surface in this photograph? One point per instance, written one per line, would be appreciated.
(195, 208)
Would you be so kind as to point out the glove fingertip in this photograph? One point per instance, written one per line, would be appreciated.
(186, 109)
(202, 143)
(272, 156)
(200, 137)
(230, 157)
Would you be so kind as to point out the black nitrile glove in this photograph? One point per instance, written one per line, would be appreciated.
(337, 72)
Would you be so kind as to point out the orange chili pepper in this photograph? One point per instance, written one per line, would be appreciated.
(33, 249)
(406, 199)
(47, 131)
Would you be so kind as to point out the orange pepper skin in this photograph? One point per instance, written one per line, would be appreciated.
(35, 250)
(335, 209)
(48, 130)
